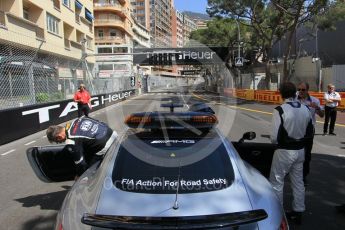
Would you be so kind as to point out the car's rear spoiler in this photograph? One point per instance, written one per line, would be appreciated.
(183, 222)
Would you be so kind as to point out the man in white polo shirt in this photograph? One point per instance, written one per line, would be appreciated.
(332, 100)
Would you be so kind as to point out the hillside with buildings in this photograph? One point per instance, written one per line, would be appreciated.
(197, 16)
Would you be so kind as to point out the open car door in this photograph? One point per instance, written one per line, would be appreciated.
(52, 163)
(259, 155)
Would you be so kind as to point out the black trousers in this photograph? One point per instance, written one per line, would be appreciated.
(83, 109)
(330, 116)
(307, 157)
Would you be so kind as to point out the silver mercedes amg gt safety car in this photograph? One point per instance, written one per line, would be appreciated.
(162, 175)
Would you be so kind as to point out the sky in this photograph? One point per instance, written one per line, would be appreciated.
(198, 6)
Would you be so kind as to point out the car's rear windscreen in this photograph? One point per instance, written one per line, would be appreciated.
(161, 166)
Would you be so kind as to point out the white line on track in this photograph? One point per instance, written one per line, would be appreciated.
(29, 143)
(44, 136)
(4, 154)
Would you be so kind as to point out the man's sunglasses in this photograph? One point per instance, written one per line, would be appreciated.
(301, 89)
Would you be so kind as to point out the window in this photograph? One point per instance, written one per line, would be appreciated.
(204, 168)
(105, 67)
(26, 13)
(120, 50)
(100, 33)
(88, 15)
(56, 4)
(120, 67)
(52, 24)
(105, 50)
(88, 42)
(112, 33)
(67, 3)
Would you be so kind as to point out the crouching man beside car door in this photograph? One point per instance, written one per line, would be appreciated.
(291, 127)
(90, 139)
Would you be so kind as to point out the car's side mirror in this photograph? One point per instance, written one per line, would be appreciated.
(247, 136)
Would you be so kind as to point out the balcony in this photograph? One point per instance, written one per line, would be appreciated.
(110, 39)
(109, 22)
(112, 22)
(32, 28)
(112, 7)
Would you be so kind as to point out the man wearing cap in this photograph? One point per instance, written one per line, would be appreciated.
(82, 97)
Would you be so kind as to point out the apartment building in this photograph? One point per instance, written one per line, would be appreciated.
(177, 28)
(155, 15)
(114, 38)
(141, 36)
(42, 42)
(61, 25)
(141, 12)
(201, 24)
(188, 26)
(160, 23)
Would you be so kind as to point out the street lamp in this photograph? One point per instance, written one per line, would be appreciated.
(238, 39)
(317, 61)
(239, 50)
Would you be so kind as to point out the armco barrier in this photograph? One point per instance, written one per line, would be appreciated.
(247, 94)
(23, 121)
(271, 96)
(267, 96)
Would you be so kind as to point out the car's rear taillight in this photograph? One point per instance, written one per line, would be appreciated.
(59, 227)
(283, 224)
(58, 224)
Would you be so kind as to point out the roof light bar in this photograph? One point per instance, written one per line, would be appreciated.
(166, 120)
(211, 119)
(137, 120)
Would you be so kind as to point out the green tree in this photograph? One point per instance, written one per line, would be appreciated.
(334, 13)
(219, 32)
(270, 21)
(224, 33)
